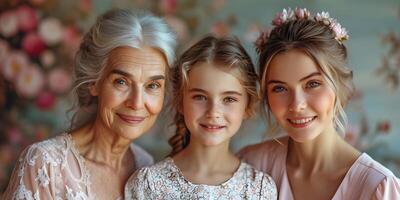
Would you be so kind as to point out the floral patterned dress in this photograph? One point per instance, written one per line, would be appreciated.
(54, 169)
(164, 180)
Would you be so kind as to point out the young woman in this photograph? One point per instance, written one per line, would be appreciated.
(214, 87)
(305, 85)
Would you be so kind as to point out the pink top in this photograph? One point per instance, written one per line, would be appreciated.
(365, 179)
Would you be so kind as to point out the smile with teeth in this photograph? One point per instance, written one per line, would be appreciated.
(302, 121)
(212, 127)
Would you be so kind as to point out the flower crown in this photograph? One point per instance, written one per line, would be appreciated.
(299, 14)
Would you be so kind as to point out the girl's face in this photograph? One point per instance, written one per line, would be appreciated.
(299, 96)
(214, 104)
(131, 91)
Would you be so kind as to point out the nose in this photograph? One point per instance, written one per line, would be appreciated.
(214, 110)
(298, 102)
(135, 99)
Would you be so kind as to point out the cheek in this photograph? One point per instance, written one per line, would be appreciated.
(277, 104)
(324, 102)
(154, 104)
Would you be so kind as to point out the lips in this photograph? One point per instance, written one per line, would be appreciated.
(301, 122)
(131, 119)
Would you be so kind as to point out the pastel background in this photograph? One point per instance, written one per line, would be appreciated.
(38, 39)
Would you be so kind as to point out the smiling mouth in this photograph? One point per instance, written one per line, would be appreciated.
(212, 128)
(131, 119)
(301, 122)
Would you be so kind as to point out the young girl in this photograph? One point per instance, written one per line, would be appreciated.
(214, 87)
(305, 85)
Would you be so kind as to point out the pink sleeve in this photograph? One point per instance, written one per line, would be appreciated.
(388, 189)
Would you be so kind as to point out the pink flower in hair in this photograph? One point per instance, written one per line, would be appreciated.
(323, 17)
(283, 17)
(340, 32)
(262, 40)
(302, 13)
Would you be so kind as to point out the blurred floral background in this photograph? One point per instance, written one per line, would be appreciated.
(38, 40)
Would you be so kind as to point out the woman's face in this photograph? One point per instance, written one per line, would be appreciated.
(299, 96)
(131, 91)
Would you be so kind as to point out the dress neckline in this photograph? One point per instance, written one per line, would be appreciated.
(176, 169)
(348, 173)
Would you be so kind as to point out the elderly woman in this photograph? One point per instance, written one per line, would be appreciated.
(120, 77)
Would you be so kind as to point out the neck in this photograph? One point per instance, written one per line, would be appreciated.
(316, 154)
(102, 146)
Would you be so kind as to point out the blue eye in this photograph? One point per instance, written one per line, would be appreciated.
(313, 84)
(229, 100)
(199, 98)
(278, 89)
(120, 82)
(154, 86)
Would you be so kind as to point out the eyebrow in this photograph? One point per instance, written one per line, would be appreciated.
(225, 93)
(123, 73)
(302, 79)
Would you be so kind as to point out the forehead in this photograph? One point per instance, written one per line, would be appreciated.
(130, 59)
(213, 77)
(292, 64)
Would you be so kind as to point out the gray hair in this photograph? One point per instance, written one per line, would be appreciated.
(115, 28)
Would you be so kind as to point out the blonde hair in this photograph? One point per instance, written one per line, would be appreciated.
(226, 51)
(319, 43)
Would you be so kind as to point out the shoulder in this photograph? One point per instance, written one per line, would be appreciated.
(372, 168)
(264, 154)
(51, 151)
(142, 157)
(371, 177)
(262, 148)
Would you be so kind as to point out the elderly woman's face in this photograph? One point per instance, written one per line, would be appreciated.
(131, 91)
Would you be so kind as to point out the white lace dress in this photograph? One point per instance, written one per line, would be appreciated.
(54, 169)
(164, 180)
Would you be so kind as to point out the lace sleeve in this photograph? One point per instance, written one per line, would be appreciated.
(33, 176)
(140, 185)
(268, 188)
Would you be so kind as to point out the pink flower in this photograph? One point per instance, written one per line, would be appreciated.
(8, 23)
(45, 100)
(59, 80)
(13, 65)
(323, 17)
(51, 31)
(33, 44)
(168, 7)
(340, 32)
(302, 13)
(71, 40)
(14, 135)
(47, 58)
(27, 18)
(283, 17)
(30, 82)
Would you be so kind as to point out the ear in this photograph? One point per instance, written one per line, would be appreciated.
(93, 89)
